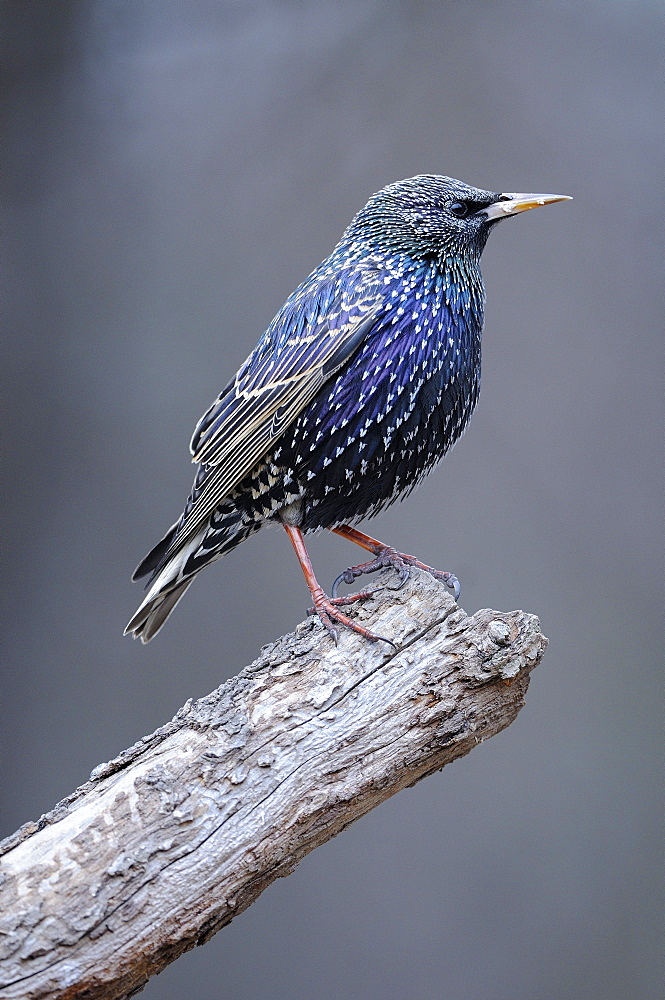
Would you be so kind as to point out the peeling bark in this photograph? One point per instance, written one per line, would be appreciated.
(164, 845)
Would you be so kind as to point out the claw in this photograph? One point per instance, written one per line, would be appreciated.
(360, 596)
(382, 638)
(451, 582)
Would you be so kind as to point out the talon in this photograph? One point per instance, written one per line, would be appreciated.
(453, 584)
(450, 581)
(327, 623)
(349, 598)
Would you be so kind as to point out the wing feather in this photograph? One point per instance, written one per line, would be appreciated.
(287, 368)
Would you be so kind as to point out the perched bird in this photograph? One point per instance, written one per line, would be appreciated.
(365, 378)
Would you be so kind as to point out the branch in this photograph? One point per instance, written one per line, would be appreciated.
(165, 844)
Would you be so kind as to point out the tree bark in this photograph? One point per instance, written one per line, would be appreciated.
(165, 844)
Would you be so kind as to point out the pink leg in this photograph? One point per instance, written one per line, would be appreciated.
(323, 606)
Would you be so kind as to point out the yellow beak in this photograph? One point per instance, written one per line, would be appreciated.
(511, 204)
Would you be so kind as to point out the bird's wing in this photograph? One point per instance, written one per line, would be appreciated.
(315, 332)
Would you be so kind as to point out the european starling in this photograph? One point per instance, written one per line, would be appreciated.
(365, 378)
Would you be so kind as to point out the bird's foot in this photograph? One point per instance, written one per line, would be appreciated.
(387, 556)
(326, 609)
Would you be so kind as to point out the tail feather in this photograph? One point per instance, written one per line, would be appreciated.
(150, 563)
(172, 573)
(152, 614)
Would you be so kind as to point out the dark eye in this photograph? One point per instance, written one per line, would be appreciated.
(460, 209)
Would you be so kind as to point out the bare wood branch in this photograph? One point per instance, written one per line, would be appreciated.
(168, 842)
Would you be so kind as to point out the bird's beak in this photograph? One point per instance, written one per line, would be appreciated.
(512, 204)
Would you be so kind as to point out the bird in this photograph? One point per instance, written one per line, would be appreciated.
(365, 378)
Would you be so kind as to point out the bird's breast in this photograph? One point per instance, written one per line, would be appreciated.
(381, 423)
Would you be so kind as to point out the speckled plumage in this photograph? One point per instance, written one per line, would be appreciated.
(365, 378)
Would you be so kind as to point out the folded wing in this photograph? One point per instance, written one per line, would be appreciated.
(315, 333)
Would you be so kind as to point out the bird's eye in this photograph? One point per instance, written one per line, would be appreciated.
(460, 209)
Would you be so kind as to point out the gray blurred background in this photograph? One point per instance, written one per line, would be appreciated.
(171, 171)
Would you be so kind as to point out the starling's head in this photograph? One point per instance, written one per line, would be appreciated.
(430, 215)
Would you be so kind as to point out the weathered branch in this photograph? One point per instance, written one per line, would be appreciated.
(168, 842)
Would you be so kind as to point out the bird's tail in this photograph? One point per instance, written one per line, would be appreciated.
(173, 571)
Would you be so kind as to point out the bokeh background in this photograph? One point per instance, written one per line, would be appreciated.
(171, 171)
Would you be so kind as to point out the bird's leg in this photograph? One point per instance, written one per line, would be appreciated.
(386, 555)
(323, 606)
